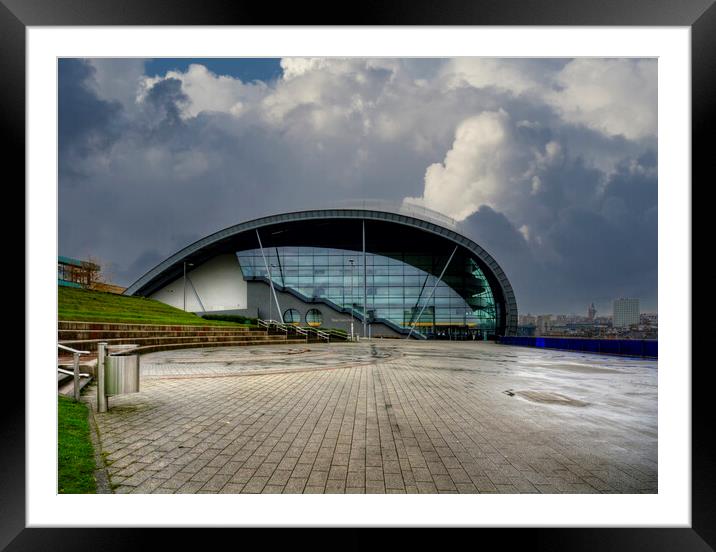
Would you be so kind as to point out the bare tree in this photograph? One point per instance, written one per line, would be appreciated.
(97, 272)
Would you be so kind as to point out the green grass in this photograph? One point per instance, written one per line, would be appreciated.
(75, 454)
(95, 306)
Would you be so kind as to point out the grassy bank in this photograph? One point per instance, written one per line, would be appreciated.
(96, 306)
(75, 454)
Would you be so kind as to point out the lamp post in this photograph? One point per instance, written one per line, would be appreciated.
(351, 261)
(185, 265)
(270, 281)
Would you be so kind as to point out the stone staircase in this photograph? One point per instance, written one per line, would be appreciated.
(151, 338)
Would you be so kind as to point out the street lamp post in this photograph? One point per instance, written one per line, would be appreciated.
(351, 261)
(270, 280)
(185, 265)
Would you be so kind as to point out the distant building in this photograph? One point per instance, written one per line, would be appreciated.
(649, 319)
(82, 274)
(626, 312)
(75, 273)
(544, 324)
(527, 320)
(591, 312)
(526, 331)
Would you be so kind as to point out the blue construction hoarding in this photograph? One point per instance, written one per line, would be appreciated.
(628, 347)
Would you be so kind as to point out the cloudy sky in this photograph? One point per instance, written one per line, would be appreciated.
(549, 164)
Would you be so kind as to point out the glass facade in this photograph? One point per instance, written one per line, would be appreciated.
(399, 286)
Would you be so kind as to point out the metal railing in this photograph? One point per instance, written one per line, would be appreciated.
(288, 328)
(301, 331)
(320, 333)
(268, 324)
(75, 368)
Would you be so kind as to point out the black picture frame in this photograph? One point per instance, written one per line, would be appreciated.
(699, 15)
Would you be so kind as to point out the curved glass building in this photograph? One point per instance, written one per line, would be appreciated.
(385, 273)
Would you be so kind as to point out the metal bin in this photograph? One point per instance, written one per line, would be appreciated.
(121, 374)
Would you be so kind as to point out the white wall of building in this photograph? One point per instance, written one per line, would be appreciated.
(219, 283)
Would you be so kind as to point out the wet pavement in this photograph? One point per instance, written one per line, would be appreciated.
(387, 416)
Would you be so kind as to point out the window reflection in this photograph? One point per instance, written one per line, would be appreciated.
(292, 316)
(314, 318)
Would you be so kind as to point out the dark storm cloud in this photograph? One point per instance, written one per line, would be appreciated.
(87, 125)
(524, 267)
(496, 234)
(142, 264)
(585, 246)
(179, 156)
(166, 98)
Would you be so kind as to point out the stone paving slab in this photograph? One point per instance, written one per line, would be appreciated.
(384, 417)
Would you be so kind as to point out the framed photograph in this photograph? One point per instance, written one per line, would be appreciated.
(439, 190)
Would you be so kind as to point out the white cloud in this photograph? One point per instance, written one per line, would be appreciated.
(525, 231)
(358, 103)
(337, 114)
(209, 92)
(118, 79)
(507, 74)
(328, 95)
(536, 184)
(614, 96)
(472, 173)
(295, 67)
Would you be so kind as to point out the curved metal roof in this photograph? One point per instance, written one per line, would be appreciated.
(179, 257)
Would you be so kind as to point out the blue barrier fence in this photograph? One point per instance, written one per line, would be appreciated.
(628, 347)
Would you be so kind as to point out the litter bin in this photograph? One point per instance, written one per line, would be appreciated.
(121, 373)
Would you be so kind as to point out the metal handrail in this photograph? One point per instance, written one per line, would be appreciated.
(71, 373)
(301, 330)
(320, 333)
(71, 350)
(287, 327)
(269, 323)
(75, 367)
(335, 333)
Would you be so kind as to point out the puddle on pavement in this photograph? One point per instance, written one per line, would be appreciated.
(546, 397)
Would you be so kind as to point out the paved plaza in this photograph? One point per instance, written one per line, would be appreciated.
(391, 416)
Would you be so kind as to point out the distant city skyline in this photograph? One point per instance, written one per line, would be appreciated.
(605, 312)
(549, 164)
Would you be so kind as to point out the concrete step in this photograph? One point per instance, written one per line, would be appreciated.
(78, 335)
(121, 326)
(88, 363)
(203, 345)
(86, 336)
(63, 378)
(67, 387)
(92, 344)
